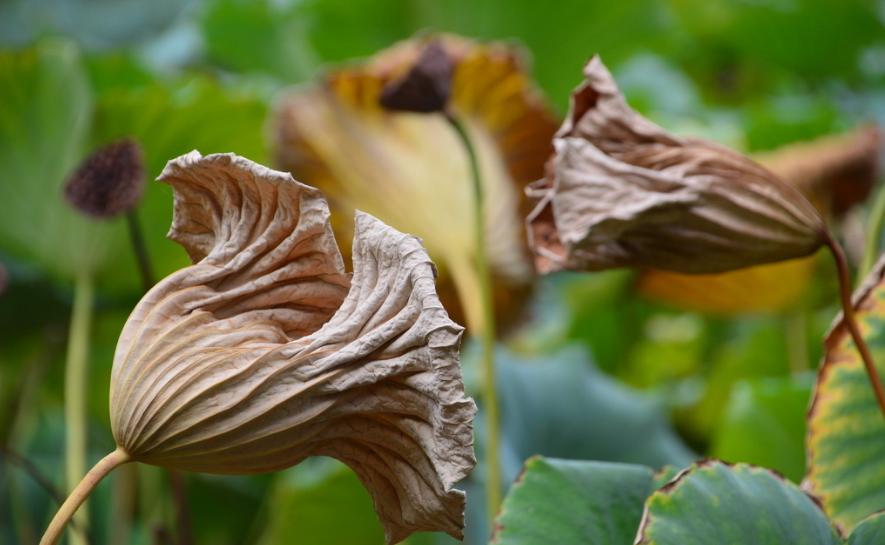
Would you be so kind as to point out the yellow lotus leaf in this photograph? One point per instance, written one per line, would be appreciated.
(411, 171)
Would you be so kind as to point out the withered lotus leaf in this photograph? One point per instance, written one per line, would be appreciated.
(265, 351)
(621, 191)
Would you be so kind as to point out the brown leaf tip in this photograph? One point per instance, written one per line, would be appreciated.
(109, 182)
(426, 86)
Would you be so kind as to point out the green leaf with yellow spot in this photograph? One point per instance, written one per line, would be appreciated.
(846, 431)
(714, 502)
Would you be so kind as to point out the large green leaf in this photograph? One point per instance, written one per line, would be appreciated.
(764, 424)
(171, 120)
(733, 505)
(870, 531)
(48, 121)
(44, 123)
(261, 36)
(810, 37)
(574, 502)
(561, 35)
(846, 431)
(560, 405)
(321, 502)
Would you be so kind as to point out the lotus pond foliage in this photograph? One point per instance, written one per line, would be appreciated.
(439, 272)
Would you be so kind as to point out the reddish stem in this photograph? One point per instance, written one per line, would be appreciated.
(851, 321)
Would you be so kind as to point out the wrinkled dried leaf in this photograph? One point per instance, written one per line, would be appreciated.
(623, 192)
(411, 171)
(259, 356)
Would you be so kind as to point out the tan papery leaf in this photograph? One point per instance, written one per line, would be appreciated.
(264, 352)
(621, 191)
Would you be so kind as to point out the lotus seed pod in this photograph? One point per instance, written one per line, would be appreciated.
(109, 182)
(426, 86)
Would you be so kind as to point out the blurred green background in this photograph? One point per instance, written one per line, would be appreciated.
(599, 373)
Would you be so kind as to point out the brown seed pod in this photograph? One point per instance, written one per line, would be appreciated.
(426, 86)
(109, 182)
(621, 191)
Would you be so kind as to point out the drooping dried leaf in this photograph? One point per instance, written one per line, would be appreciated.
(411, 171)
(426, 86)
(259, 356)
(621, 191)
(835, 173)
(109, 182)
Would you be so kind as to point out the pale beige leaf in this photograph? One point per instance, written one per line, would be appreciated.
(259, 356)
(624, 192)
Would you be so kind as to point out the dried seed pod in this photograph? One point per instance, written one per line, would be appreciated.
(266, 352)
(426, 86)
(621, 191)
(109, 182)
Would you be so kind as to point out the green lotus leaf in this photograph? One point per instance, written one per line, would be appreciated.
(846, 431)
(714, 502)
(574, 502)
(870, 531)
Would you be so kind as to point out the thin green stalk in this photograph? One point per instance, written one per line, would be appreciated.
(76, 378)
(182, 514)
(141, 254)
(22, 522)
(489, 390)
(124, 492)
(796, 326)
(874, 229)
(80, 493)
(13, 458)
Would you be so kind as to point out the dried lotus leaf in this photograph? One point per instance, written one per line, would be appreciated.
(265, 352)
(623, 192)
